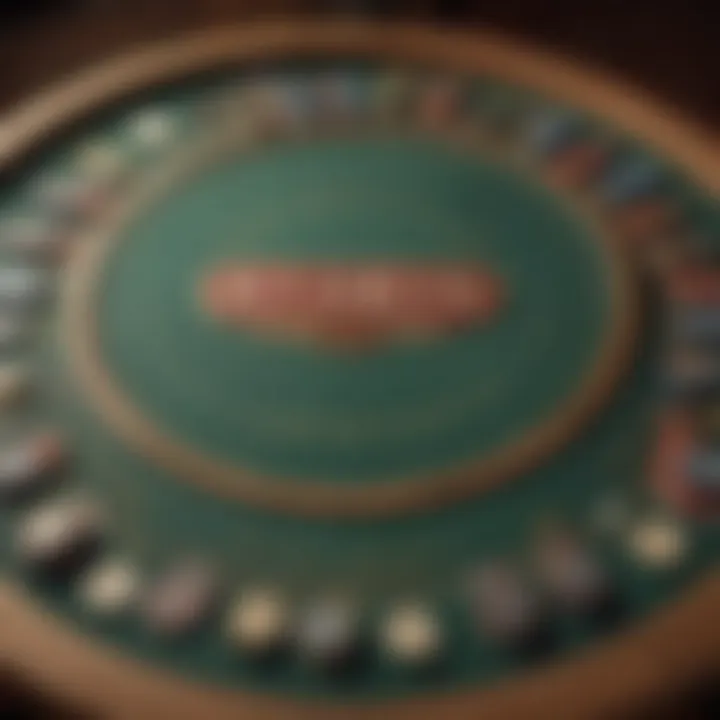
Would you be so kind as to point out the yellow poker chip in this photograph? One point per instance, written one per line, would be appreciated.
(110, 587)
(412, 635)
(658, 542)
(259, 621)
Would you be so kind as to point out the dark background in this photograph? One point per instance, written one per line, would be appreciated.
(670, 47)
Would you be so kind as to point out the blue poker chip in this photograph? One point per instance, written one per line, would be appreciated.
(551, 133)
(630, 181)
(704, 469)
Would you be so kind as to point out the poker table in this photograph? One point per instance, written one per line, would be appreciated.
(355, 309)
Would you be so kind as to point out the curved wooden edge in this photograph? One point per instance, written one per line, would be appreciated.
(309, 496)
(628, 107)
(668, 653)
(675, 647)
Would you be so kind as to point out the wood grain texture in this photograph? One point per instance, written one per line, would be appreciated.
(658, 658)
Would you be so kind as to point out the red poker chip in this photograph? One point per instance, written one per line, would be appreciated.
(694, 286)
(439, 105)
(576, 167)
(669, 474)
(645, 220)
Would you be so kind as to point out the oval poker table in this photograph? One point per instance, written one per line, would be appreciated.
(357, 370)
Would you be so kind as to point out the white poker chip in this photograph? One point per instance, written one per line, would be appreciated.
(29, 236)
(67, 195)
(658, 542)
(412, 635)
(508, 610)
(180, 599)
(23, 285)
(14, 382)
(102, 162)
(49, 532)
(110, 587)
(153, 128)
(259, 621)
(25, 464)
(570, 572)
(17, 465)
(328, 632)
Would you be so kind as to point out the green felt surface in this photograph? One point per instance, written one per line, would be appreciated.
(292, 410)
(297, 412)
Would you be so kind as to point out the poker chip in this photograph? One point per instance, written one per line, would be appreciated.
(61, 534)
(21, 287)
(14, 383)
(412, 635)
(499, 119)
(504, 604)
(110, 587)
(708, 421)
(550, 133)
(153, 129)
(646, 220)
(658, 542)
(570, 572)
(699, 325)
(439, 103)
(704, 469)
(102, 163)
(30, 237)
(69, 198)
(315, 309)
(181, 598)
(692, 374)
(664, 254)
(58, 193)
(575, 167)
(630, 181)
(270, 107)
(26, 465)
(259, 621)
(299, 103)
(328, 633)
